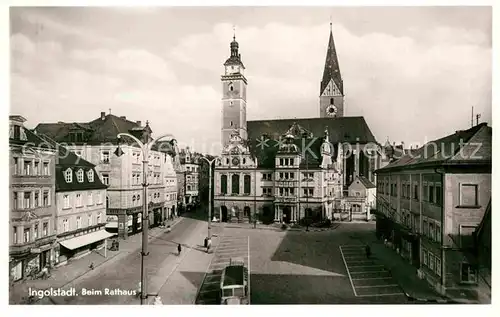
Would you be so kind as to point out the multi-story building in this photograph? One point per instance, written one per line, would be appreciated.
(483, 256)
(190, 169)
(360, 200)
(430, 203)
(119, 164)
(170, 156)
(81, 208)
(32, 231)
(280, 169)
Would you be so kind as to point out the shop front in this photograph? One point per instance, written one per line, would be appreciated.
(81, 245)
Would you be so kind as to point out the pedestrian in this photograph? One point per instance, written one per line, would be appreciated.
(91, 266)
(209, 244)
(139, 289)
(45, 273)
(157, 300)
(368, 251)
(179, 248)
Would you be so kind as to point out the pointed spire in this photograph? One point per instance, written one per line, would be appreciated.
(332, 69)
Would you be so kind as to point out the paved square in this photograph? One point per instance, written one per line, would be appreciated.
(368, 277)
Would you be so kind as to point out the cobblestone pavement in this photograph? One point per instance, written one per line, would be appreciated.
(228, 247)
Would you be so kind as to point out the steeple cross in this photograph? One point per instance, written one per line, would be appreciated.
(234, 32)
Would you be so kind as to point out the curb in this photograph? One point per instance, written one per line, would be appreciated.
(431, 300)
(100, 264)
(69, 282)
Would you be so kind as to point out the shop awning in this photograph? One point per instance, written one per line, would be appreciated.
(89, 238)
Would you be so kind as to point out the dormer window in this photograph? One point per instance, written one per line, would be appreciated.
(79, 176)
(68, 175)
(90, 176)
(105, 157)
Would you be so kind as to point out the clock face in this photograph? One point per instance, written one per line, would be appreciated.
(236, 161)
(331, 110)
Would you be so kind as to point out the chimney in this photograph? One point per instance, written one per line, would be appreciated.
(139, 123)
(123, 117)
(103, 115)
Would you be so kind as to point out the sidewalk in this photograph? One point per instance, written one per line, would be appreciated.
(74, 269)
(406, 274)
(177, 281)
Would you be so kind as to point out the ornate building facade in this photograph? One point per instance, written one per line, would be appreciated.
(287, 170)
(32, 237)
(118, 163)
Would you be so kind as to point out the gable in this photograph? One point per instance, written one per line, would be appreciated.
(331, 89)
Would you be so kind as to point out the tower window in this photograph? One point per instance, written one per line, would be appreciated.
(231, 123)
(231, 88)
(331, 101)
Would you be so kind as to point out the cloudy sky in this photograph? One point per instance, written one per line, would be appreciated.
(413, 73)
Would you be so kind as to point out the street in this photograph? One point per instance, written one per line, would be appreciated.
(163, 270)
(287, 267)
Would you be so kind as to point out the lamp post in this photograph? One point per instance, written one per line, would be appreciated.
(145, 148)
(209, 194)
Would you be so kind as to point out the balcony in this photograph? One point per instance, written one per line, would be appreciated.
(286, 199)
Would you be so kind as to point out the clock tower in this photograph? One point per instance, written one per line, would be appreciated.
(331, 98)
(234, 95)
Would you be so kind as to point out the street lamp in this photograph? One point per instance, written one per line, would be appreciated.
(209, 194)
(145, 148)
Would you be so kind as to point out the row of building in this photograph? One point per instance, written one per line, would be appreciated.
(288, 171)
(73, 185)
(431, 203)
(434, 207)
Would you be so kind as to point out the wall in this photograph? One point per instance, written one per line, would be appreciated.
(21, 183)
(84, 211)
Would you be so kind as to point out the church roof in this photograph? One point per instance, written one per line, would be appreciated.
(265, 137)
(332, 69)
(341, 129)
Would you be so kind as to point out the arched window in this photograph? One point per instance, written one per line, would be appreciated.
(223, 184)
(138, 198)
(133, 199)
(331, 101)
(68, 175)
(235, 184)
(246, 184)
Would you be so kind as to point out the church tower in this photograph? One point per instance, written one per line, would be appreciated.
(234, 96)
(331, 100)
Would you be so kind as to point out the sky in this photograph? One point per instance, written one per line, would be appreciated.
(414, 73)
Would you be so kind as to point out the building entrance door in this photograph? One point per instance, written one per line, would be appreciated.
(287, 214)
(223, 211)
